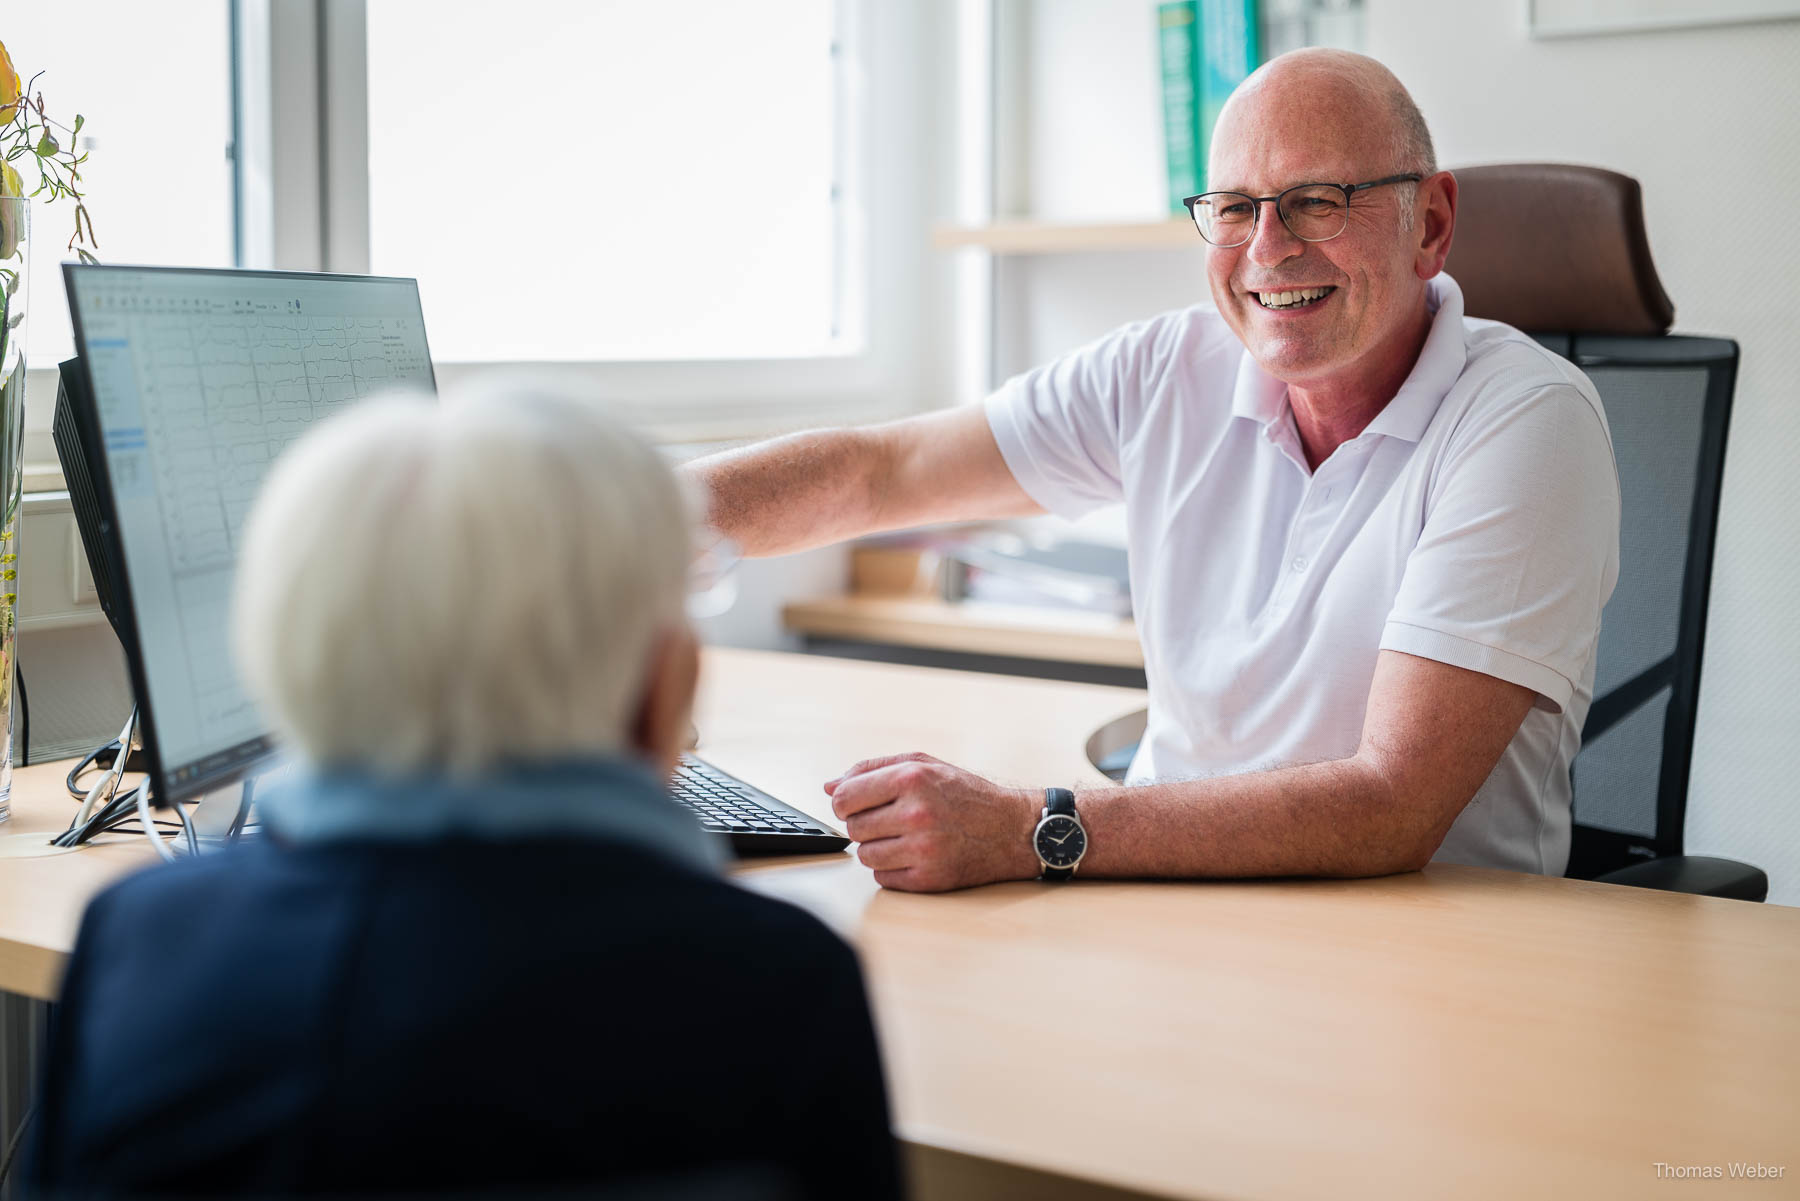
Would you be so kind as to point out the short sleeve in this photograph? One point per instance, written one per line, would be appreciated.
(1058, 426)
(1520, 546)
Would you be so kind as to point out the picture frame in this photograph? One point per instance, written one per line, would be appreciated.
(1584, 18)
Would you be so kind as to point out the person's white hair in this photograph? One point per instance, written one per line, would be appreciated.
(462, 583)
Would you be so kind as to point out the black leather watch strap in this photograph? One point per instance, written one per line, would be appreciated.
(1059, 800)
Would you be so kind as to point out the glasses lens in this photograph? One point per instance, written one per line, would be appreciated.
(1225, 218)
(712, 582)
(1315, 212)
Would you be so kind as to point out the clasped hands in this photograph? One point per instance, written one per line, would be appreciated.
(926, 826)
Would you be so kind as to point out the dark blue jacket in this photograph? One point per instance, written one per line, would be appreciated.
(528, 1016)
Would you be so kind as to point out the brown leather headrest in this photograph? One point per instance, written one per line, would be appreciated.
(1556, 248)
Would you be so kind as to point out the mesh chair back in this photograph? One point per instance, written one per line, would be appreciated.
(1563, 248)
(1668, 402)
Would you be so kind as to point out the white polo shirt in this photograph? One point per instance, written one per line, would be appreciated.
(1475, 522)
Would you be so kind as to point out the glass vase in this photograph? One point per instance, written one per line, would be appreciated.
(15, 222)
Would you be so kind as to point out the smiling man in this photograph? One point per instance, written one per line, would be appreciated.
(1370, 538)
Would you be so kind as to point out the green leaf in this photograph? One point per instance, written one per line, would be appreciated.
(79, 121)
(47, 145)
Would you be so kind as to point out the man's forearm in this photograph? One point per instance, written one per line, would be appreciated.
(793, 493)
(1341, 818)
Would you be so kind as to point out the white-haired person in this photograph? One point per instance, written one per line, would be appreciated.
(480, 949)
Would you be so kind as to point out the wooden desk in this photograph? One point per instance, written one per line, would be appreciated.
(41, 898)
(1456, 1032)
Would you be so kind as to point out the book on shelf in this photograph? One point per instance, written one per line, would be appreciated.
(1178, 50)
(1230, 50)
(1205, 49)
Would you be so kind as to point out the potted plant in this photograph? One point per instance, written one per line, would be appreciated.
(28, 137)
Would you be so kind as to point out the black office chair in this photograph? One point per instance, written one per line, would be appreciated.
(1560, 251)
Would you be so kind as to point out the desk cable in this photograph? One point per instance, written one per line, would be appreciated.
(120, 749)
(103, 809)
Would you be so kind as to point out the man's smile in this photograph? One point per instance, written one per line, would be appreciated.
(1293, 298)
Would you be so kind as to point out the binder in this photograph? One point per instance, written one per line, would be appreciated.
(1231, 48)
(1184, 138)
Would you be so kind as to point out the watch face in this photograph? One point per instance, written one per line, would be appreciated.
(1060, 840)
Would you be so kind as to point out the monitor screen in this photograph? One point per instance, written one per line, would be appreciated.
(198, 380)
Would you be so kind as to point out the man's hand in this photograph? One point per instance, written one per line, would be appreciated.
(925, 826)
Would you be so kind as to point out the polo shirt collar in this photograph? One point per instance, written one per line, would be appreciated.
(1257, 394)
(1440, 365)
(1263, 399)
(611, 797)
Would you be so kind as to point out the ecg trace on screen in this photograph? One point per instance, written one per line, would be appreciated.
(226, 391)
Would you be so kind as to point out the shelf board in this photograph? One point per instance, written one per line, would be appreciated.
(971, 627)
(1057, 237)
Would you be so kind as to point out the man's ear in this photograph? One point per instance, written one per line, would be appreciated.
(1436, 222)
(661, 728)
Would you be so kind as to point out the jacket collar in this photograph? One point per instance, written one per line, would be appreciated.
(609, 797)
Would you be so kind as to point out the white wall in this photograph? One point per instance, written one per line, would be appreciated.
(77, 684)
(1703, 117)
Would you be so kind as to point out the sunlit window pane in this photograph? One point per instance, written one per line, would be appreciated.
(154, 82)
(629, 179)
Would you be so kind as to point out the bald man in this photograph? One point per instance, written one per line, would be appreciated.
(1370, 537)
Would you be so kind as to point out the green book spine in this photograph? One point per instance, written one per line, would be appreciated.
(1230, 50)
(1178, 48)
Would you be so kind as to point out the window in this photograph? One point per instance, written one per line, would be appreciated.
(154, 82)
(614, 181)
(672, 206)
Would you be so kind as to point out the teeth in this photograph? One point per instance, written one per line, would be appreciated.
(1284, 300)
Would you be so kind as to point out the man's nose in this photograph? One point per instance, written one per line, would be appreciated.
(1272, 242)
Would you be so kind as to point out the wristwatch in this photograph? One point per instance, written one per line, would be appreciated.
(1060, 840)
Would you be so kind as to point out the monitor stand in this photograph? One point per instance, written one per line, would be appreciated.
(217, 811)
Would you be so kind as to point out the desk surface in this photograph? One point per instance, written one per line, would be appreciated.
(1453, 1032)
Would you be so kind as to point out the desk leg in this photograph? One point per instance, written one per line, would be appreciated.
(24, 1042)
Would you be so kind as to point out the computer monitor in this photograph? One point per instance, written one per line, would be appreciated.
(193, 381)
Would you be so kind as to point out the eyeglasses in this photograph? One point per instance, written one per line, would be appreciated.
(1313, 212)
